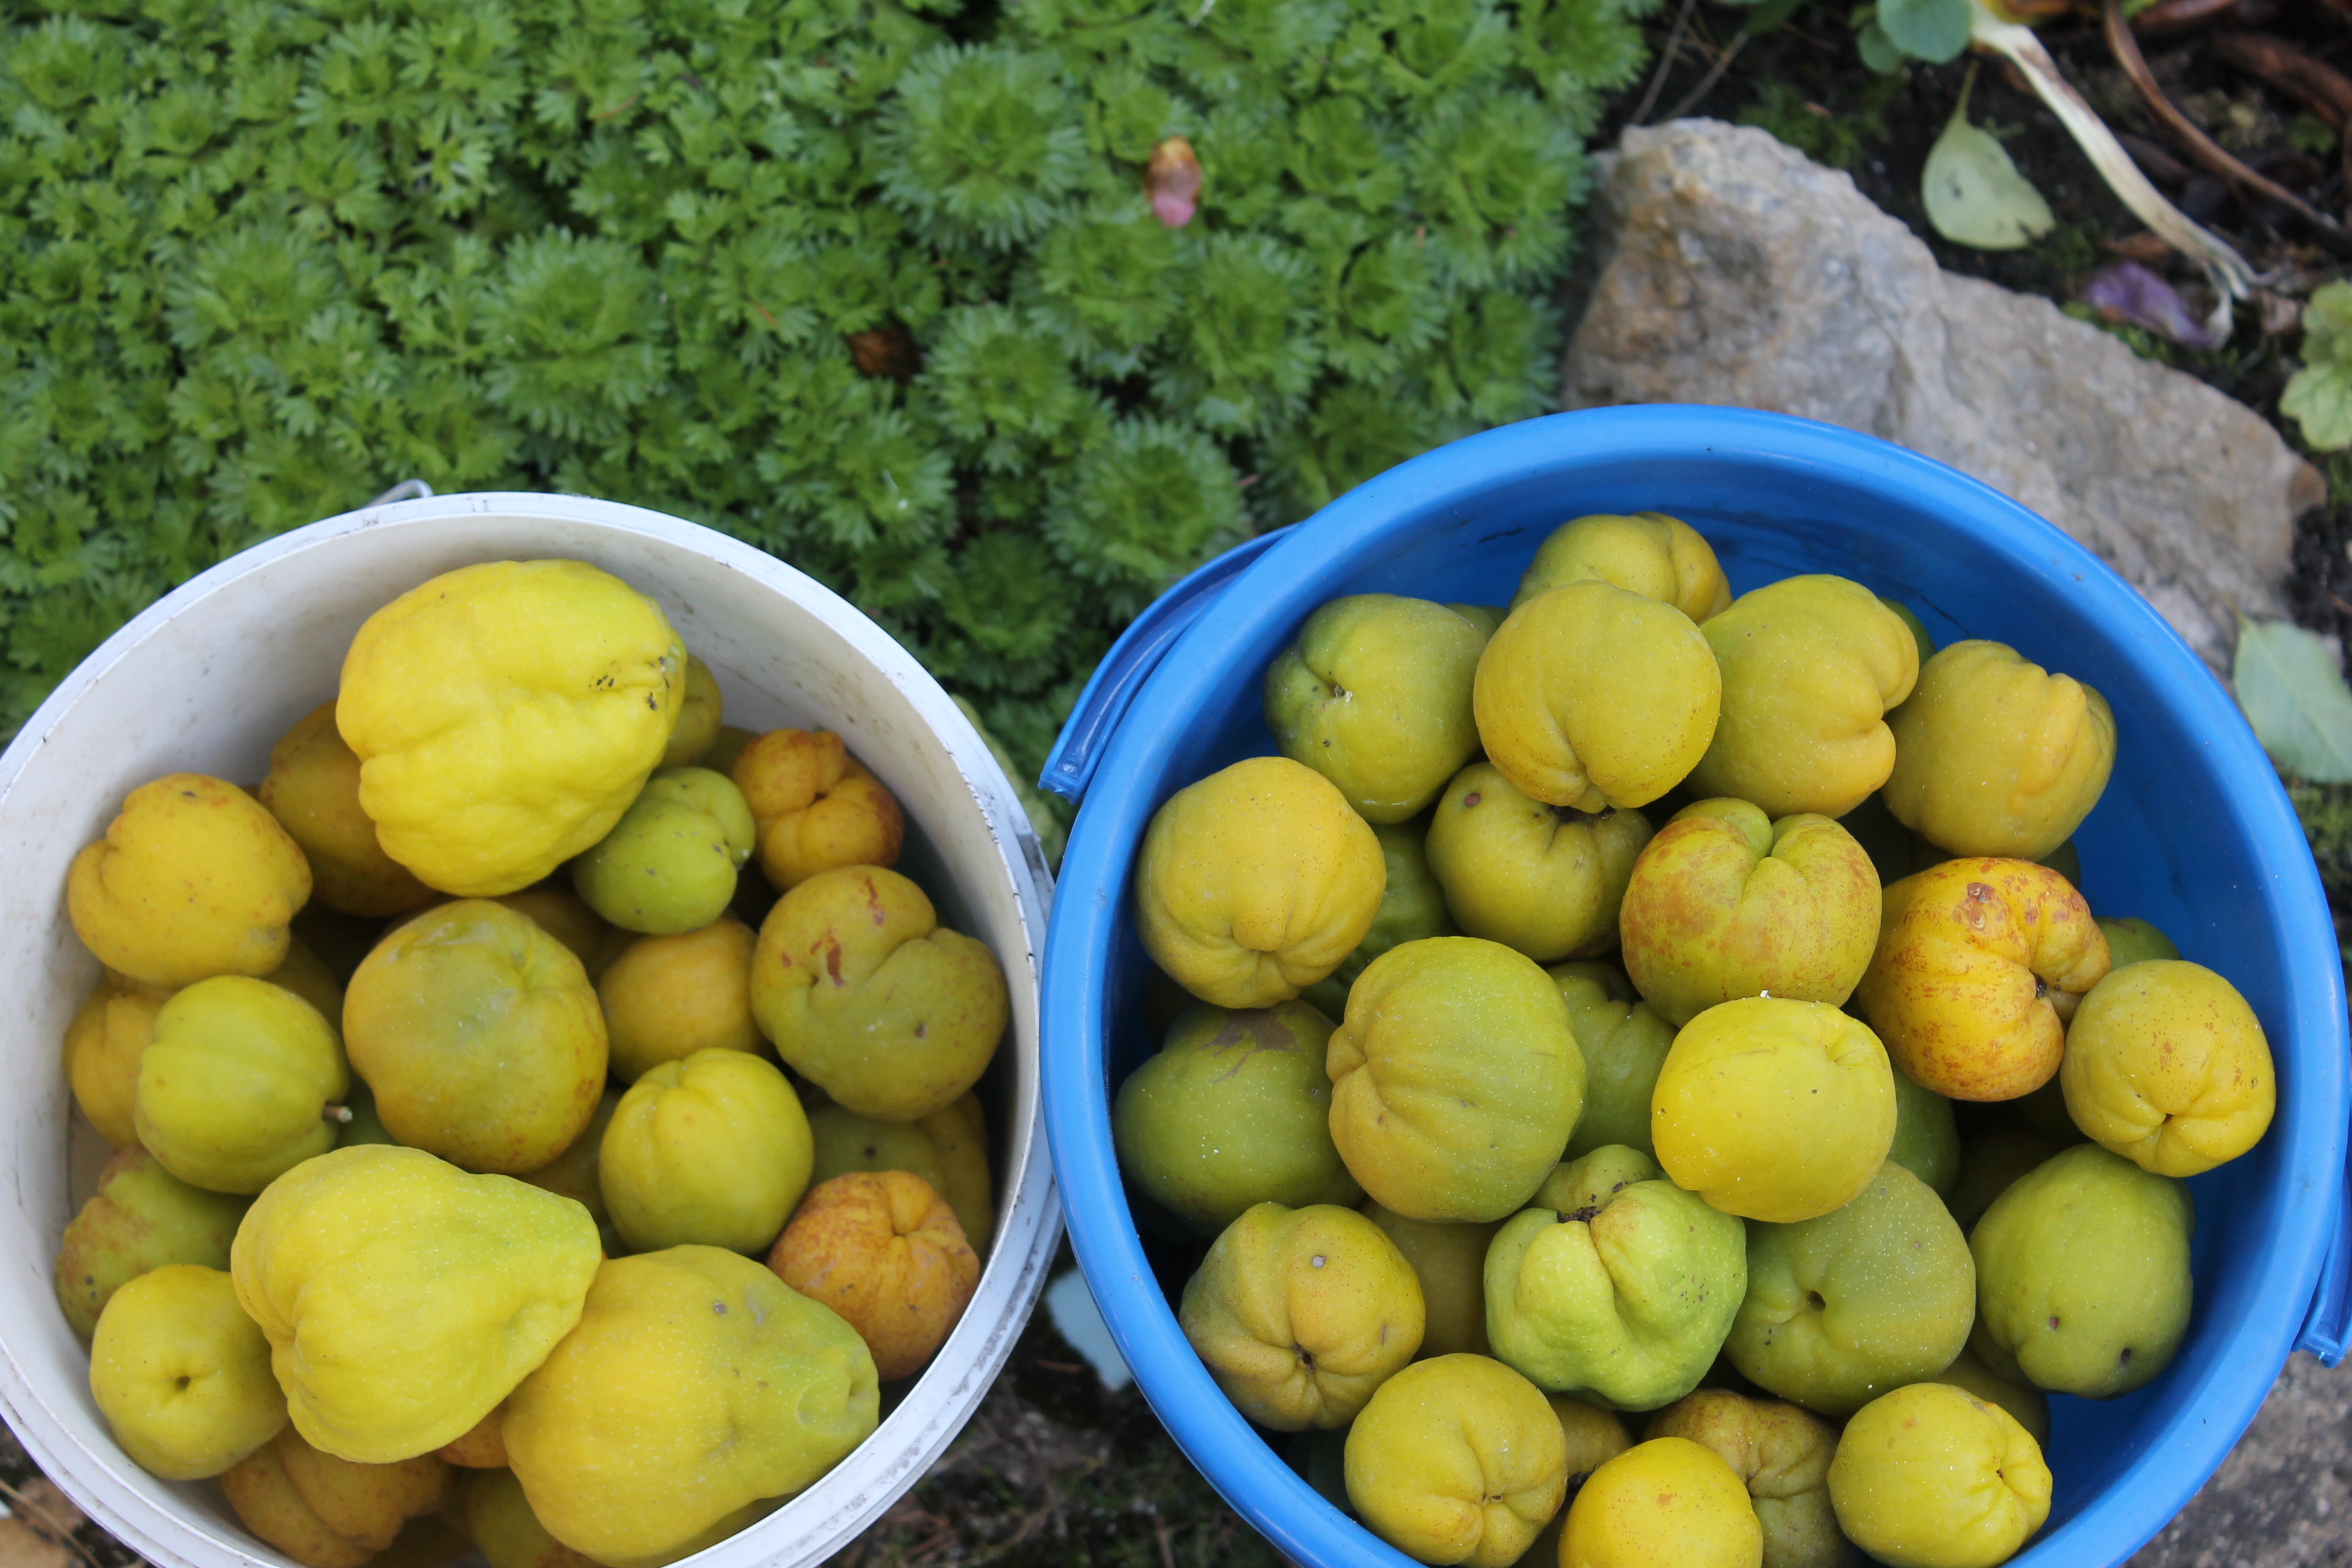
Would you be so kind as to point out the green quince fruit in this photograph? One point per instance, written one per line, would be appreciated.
(1864, 1299)
(480, 1036)
(668, 865)
(1375, 696)
(1299, 1314)
(1544, 880)
(1449, 1258)
(235, 1089)
(1811, 666)
(2083, 1281)
(947, 1148)
(182, 1375)
(1624, 1294)
(2133, 941)
(1993, 1158)
(500, 1525)
(697, 1389)
(1412, 906)
(1726, 903)
(1234, 1111)
(1927, 1138)
(713, 1151)
(1623, 1043)
(1455, 1079)
(141, 1218)
(863, 991)
(403, 1298)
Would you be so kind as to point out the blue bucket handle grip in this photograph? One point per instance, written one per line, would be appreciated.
(2329, 1323)
(1078, 750)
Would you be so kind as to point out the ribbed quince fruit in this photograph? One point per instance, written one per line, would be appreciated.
(1255, 882)
(234, 1089)
(1616, 1283)
(1774, 1109)
(1649, 553)
(1811, 666)
(1591, 697)
(1301, 1313)
(194, 878)
(1995, 755)
(1547, 880)
(949, 1149)
(712, 1150)
(402, 1298)
(313, 791)
(329, 1512)
(1455, 1079)
(1458, 1459)
(505, 715)
(815, 806)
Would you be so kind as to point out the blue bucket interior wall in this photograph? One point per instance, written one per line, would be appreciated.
(2193, 833)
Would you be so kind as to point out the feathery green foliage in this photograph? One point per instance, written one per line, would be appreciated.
(260, 257)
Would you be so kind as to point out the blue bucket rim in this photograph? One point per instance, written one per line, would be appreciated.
(2209, 1417)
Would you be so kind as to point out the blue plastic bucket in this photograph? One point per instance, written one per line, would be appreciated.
(2194, 833)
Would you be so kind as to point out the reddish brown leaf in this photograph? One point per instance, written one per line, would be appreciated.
(887, 352)
(1172, 181)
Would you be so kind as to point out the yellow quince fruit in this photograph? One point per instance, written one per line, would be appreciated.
(194, 878)
(403, 1298)
(505, 715)
(697, 1387)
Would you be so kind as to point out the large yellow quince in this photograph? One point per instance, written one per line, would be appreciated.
(505, 715)
(698, 1387)
(402, 1298)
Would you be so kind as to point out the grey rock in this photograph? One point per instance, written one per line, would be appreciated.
(1728, 269)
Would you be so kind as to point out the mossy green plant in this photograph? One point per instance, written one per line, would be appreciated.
(876, 286)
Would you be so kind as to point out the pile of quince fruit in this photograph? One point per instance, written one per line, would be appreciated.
(1524, 1120)
(487, 1215)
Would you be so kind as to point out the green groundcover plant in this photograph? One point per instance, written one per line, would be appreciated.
(879, 288)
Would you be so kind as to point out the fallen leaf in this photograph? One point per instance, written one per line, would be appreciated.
(2295, 698)
(1172, 179)
(2127, 291)
(886, 352)
(1975, 195)
(1935, 30)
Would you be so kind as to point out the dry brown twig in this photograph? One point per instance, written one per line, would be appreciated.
(2192, 139)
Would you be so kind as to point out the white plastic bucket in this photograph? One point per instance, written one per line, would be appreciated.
(207, 679)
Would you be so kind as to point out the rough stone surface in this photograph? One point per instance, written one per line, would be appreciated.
(2283, 1497)
(1729, 268)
